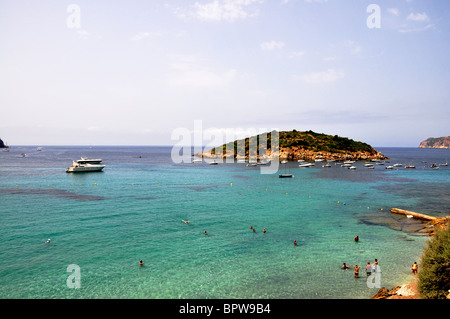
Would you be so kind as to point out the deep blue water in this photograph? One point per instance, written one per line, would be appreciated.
(106, 222)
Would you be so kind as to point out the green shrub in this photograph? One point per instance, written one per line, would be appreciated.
(434, 272)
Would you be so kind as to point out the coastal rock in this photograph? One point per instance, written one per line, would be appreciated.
(436, 142)
(406, 291)
(439, 224)
(2, 145)
(384, 293)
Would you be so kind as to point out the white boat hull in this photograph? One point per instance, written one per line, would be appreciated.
(85, 168)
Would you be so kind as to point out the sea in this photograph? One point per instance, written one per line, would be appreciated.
(144, 207)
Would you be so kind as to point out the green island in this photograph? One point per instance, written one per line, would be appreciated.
(297, 145)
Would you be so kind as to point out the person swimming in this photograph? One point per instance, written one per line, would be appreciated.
(344, 266)
(295, 243)
(357, 238)
(185, 221)
(48, 241)
(141, 263)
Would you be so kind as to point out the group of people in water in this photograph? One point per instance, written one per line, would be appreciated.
(370, 268)
(254, 230)
(373, 268)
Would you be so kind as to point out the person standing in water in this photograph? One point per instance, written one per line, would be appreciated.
(368, 269)
(356, 271)
(414, 268)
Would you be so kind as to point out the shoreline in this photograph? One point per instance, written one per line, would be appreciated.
(410, 289)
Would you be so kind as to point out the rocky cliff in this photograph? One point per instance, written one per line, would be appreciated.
(2, 145)
(436, 142)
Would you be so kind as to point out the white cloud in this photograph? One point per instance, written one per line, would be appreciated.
(142, 35)
(272, 45)
(222, 10)
(190, 71)
(83, 34)
(354, 47)
(418, 17)
(329, 76)
(393, 11)
(330, 58)
(297, 54)
(428, 26)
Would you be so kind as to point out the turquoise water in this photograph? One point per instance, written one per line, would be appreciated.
(106, 222)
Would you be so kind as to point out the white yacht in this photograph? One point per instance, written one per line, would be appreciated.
(84, 165)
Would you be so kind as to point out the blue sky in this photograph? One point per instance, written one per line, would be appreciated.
(131, 72)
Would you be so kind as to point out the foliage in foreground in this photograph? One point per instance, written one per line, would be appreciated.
(434, 274)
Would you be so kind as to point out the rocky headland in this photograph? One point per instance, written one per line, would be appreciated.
(436, 142)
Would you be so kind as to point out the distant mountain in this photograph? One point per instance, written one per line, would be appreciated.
(2, 145)
(436, 142)
(308, 146)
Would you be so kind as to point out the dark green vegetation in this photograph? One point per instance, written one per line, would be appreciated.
(434, 272)
(308, 141)
(319, 142)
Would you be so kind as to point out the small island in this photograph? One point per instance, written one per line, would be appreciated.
(297, 145)
(2, 144)
(436, 142)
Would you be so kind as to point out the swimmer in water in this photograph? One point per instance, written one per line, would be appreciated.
(48, 241)
(141, 263)
(344, 266)
(185, 221)
(206, 234)
(295, 243)
(357, 238)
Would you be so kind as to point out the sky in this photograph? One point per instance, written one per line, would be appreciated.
(117, 72)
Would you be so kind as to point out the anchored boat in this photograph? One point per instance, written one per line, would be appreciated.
(85, 165)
